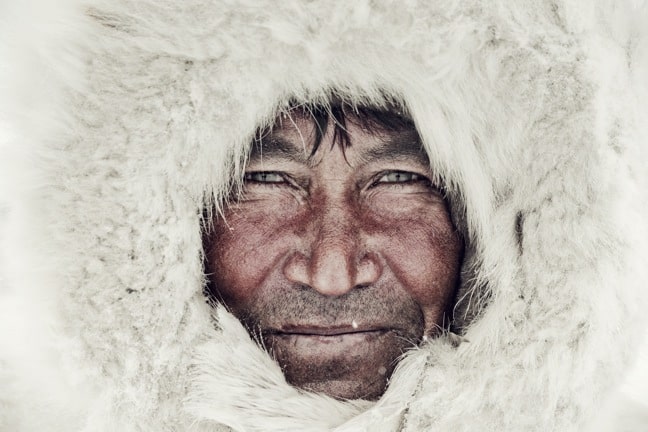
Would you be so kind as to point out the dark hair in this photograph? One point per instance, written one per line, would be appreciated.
(372, 119)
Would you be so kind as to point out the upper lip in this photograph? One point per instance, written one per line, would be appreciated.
(324, 330)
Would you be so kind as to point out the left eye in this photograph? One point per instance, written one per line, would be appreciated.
(264, 177)
(399, 177)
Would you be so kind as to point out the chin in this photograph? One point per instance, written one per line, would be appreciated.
(352, 366)
(346, 389)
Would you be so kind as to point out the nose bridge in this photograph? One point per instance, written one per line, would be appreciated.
(335, 249)
(334, 220)
(332, 258)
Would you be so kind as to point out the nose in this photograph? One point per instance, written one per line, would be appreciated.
(336, 260)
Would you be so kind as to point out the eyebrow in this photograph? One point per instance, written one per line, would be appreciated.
(399, 146)
(278, 148)
(405, 145)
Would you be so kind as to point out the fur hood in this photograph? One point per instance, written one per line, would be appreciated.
(120, 119)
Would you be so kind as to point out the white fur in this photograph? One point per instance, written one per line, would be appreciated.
(120, 118)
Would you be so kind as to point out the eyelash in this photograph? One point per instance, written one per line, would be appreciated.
(261, 179)
(415, 178)
(248, 177)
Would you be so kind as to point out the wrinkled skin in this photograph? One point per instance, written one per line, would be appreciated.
(339, 262)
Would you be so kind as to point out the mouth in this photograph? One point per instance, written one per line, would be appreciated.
(329, 339)
(347, 361)
(326, 331)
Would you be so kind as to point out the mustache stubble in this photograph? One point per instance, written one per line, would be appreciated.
(303, 306)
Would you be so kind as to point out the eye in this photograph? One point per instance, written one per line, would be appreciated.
(400, 177)
(264, 177)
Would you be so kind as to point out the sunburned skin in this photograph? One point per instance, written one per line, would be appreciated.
(340, 262)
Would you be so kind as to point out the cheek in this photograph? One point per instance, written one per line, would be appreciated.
(244, 249)
(424, 252)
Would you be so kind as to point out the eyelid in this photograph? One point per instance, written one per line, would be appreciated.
(247, 177)
(416, 177)
(285, 180)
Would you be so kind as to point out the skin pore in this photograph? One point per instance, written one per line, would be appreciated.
(337, 260)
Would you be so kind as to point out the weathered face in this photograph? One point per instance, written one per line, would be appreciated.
(339, 262)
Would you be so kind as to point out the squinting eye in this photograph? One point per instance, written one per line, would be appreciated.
(264, 177)
(399, 177)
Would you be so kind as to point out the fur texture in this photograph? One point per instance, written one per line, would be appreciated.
(120, 119)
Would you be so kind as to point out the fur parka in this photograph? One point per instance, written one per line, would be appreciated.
(123, 121)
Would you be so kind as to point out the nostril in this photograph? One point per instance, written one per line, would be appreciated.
(368, 270)
(296, 270)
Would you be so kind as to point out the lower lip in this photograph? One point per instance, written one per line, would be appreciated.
(342, 340)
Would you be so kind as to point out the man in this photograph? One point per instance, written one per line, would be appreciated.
(325, 215)
(360, 259)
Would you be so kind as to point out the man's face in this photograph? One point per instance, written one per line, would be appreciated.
(340, 261)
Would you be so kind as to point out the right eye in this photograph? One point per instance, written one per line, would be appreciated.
(264, 177)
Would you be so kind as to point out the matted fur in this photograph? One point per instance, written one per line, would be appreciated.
(120, 119)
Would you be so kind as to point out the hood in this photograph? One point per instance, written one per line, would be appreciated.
(122, 120)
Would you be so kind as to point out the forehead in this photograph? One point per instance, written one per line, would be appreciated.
(307, 136)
